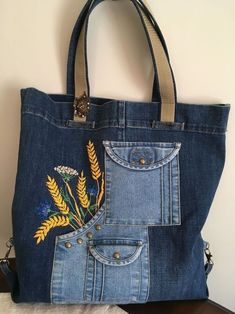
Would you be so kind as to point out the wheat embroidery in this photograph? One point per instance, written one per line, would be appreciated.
(71, 209)
(57, 197)
(47, 225)
(95, 169)
(81, 190)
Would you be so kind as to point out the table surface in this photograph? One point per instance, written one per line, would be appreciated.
(170, 307)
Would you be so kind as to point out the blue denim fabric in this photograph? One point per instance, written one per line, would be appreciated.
(175, 256)
(88, 272)
(152, 190)
(160, 181)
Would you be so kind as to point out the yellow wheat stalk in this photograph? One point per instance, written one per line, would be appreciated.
(81, 190)
(73, 198)
(48, 224)
(56, 195)
(95, 169)
(101, 191)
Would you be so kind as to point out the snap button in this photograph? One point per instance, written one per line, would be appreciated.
(116, 255)
(68, 245)
(89, 235)
(98, 227)
(79, 241)
(142, 161)
(142, 155)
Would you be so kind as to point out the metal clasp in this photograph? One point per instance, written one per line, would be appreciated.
(208, 254)
(9, 245)
(81, 107)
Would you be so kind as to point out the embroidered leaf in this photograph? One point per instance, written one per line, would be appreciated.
(95, 169)
(81, 190)
(47, 225)
(56, 195)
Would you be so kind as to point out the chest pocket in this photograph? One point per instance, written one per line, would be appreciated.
(142, 183)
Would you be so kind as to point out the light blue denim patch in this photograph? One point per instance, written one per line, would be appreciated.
(109, 264)
(142, 183)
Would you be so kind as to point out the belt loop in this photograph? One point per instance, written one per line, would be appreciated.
(153, 124)
(121, 114)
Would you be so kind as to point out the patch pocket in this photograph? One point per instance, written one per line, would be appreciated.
(121, 270)
(142, 183)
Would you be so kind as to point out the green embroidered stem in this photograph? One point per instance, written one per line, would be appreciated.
(75, 203)
(74, 211)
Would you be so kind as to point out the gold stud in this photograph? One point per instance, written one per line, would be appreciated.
(142, 161)
(116, 255)
(89, 235)
(68, 245)
(79, 241)
(98, 227)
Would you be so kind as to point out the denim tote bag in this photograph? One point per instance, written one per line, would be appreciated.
(111, 195)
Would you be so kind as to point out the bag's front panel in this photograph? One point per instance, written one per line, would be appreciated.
(111, 195)
(167, 180)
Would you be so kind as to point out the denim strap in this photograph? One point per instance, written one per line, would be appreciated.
(74, 40)
(166, 83)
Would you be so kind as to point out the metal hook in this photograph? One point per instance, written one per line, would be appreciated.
(9, 245)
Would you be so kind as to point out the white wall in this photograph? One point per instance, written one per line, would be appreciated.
(34, 37)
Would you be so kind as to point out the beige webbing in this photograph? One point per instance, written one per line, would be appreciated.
(165, 78)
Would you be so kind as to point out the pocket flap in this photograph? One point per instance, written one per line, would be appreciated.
(141, 155)
(115, 252)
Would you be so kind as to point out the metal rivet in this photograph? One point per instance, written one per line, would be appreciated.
(68, 245)
(116, 255)
(79, 241)
(98, 227)
(142, 161)
(89, 235)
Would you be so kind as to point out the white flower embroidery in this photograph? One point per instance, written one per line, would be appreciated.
(66, 170)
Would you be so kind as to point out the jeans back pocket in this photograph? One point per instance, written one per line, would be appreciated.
(142, 183)
(121, 268)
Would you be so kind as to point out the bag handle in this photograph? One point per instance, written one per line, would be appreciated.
(163, 71)
(73, 47)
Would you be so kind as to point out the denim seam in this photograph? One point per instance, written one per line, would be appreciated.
(107, 188)
(55, 294)
(161, 193)
(115, 241)
(179, 190)
(109, 221)
(103, 281)
(171, 191)
(148, 263)
(140, 280)
(94, 281)
(131, 144)
(63, 124)
(85, 279)
(52, 272)
(185, 130)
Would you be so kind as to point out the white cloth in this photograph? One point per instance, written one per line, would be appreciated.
(7, 306)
